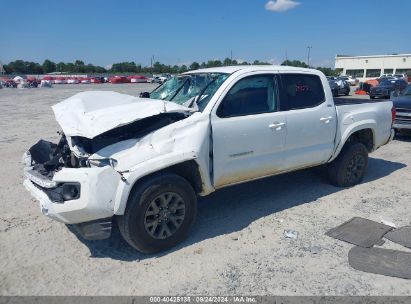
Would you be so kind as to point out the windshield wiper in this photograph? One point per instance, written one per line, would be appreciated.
(180, 88)
(201, 93)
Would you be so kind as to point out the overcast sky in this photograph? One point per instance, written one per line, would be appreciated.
(182, 31)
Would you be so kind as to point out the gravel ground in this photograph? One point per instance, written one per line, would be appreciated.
(236, 247)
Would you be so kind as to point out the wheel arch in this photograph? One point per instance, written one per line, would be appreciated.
(361, 134)
(364, 136)
(188, 169)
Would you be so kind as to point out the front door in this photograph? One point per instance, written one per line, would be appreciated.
(248, 132)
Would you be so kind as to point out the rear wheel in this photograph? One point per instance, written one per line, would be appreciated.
(349, 168)
(159, 213)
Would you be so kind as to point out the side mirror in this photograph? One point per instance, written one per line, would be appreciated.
(144, 95)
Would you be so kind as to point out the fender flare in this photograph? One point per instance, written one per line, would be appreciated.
(349, 131)
(149, 167)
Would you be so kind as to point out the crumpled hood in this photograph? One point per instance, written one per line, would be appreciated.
(89, 114)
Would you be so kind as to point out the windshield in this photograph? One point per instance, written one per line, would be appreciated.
(186, 89)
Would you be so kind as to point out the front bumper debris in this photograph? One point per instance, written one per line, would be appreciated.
(92, 198)
(94, 230)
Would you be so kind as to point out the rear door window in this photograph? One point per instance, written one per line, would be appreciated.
(300, 91)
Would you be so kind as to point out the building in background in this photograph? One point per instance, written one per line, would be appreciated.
(1, 68)
(373, 66)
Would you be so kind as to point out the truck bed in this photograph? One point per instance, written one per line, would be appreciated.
(375, 113)
(341, 101)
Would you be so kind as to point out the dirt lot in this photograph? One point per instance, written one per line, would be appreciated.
(236, 247)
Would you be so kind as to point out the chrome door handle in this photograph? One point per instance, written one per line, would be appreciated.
(326, 119)
(276, 125)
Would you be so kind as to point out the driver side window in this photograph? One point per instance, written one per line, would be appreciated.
(250, 95)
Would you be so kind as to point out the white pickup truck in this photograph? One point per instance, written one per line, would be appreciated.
(143, 161)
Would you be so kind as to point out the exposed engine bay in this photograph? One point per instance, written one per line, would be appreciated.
(136, 129)
(48, 157)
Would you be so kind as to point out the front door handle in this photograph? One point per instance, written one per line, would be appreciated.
(277, 125)
(326, 119)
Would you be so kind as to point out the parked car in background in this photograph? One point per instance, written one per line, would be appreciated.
(386, 87)
(60, 80)
(119, 79)
(48, 78)
(155, 79)
(402, 104)
(161, 78)
(401, 76)
(73, 80)
(138, 79)
(393, 76)
(32, 82)
(339, 87)
(97, 79)
(386, 76)
(351, 80)
(46, 84)
(143, 161)
(10, 83)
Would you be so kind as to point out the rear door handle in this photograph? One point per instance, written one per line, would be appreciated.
(326, 119)
(277, 125)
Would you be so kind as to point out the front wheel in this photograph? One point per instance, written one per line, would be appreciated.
(349, 168)
(159, 214)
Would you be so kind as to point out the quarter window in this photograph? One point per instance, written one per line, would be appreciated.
(250, 95)
(301, 91)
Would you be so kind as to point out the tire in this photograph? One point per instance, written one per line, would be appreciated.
(347, 93)
(349, 168)
(146, 213)
(335, 93)
(372, 97)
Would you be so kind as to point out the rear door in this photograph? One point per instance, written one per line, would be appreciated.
(311, 120)
(248, 132)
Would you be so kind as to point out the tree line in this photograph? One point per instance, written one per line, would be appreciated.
(48, 66)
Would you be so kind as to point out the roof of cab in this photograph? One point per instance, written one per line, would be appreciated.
(250, 68)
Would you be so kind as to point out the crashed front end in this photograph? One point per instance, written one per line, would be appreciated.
(70, 189)
(72, 181)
